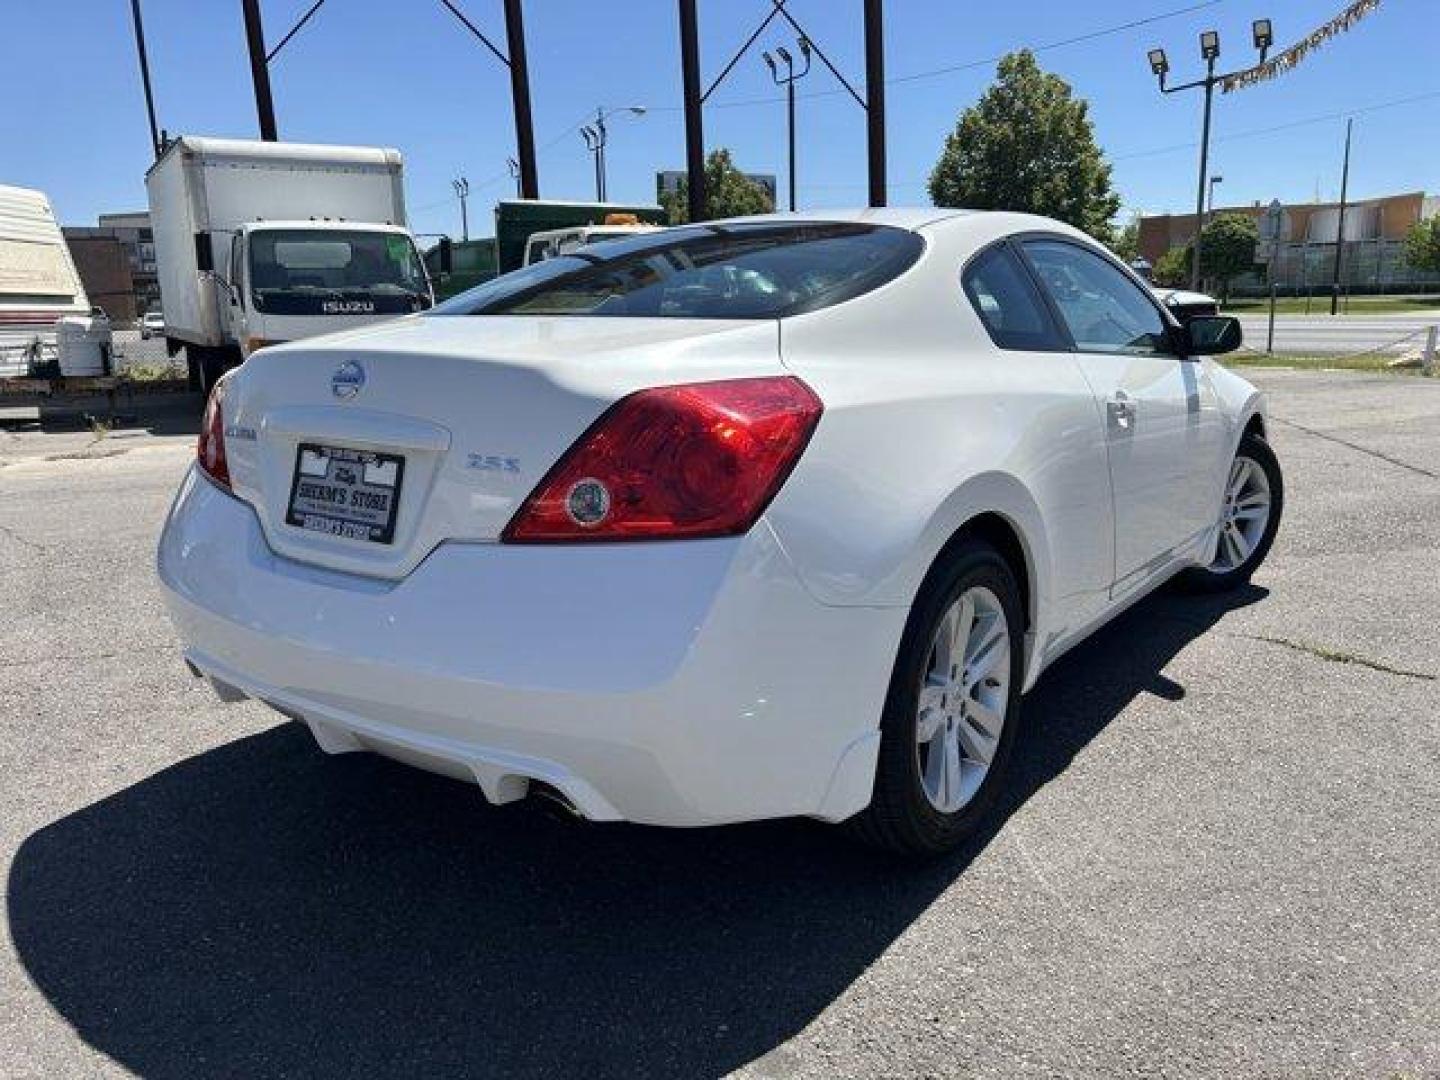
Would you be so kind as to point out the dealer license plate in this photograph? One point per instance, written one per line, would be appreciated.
(343, 492)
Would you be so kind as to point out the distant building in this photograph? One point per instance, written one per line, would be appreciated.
(668, 181)
(1297, 241)
(116, 260)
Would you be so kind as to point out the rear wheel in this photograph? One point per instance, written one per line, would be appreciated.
(953, 708)
(1249, 519)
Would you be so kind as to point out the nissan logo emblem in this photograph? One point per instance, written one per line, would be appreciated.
(349, 377)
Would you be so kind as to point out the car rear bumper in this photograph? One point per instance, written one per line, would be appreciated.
(685, 683)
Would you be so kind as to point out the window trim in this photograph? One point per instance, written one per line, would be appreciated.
(1166, 319)
(1065, 344)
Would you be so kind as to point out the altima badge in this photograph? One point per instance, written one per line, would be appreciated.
(349, 377)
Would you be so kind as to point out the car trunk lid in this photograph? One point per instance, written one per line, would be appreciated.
(362, 451)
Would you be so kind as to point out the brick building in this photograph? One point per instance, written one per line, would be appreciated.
(124, 294)
(1297, 241)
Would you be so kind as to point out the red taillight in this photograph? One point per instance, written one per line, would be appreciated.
(702, 459)
(210, 449)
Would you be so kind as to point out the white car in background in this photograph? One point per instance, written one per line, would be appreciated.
(755, 518)
(152, 324)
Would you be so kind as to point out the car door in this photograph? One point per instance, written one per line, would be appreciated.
(1163, 423)
(1061, 452)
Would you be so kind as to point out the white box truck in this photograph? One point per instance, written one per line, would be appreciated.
(38, 283)
(258, 243)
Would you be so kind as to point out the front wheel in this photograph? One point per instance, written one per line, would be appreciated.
(1249, 518)
(953, 708)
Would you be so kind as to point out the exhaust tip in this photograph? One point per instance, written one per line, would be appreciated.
(555, 803)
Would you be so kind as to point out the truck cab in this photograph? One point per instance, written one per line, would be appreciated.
(296, 279)
(553, 242)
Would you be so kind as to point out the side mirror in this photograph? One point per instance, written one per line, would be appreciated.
(1210, 335)
(447, 255)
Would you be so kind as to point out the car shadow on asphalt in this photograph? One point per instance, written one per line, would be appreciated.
(261, 909)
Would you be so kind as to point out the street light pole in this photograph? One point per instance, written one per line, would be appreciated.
(1210, 51)
(1210, 206)
(788, 80)
(1204, 166)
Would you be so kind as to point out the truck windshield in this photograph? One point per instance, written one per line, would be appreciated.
(717, 271)
(335, 272)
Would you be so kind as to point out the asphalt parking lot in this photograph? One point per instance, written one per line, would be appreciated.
(1221, 854)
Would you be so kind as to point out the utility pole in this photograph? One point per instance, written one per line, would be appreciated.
(694, 122)
(259, 69)
(595, 143)
(788, 80)
(520, 92)
(1340, 225)
(155, 143)
(462, 192)
(519, 87)
(875, 97)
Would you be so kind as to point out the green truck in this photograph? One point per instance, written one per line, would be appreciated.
(517, 220)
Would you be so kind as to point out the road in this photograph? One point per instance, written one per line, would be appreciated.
(1340, 335)
(1219, 856)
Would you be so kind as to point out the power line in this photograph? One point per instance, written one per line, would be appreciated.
(1177, 147)
(968, 65)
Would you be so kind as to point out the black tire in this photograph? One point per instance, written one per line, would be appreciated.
(900, 817)
(1203, 579)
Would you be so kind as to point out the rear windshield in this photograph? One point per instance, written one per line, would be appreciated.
(761, 271)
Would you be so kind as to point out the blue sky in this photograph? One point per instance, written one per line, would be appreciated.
(403, 73)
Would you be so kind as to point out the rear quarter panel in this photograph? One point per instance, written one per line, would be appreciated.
(927, 425)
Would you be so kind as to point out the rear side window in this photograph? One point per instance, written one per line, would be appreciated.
(1005, 298)
(704, 272)
(1103, 309)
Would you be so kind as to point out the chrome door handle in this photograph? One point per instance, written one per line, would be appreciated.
(1120, 412)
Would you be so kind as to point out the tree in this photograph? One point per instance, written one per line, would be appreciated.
(1227, 249)
(728, 193)
(1127, 242)
(1422, 245)
(1172, 268)
(1027, 145)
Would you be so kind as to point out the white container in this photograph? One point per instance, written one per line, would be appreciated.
(84, 342)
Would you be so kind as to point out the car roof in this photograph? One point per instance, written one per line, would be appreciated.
(985, 223)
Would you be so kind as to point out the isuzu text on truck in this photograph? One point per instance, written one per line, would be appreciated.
(259, 243)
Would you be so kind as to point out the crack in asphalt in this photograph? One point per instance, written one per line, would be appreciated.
(82, 658)
(1338, 656)
(23, 541)
(1357, 447)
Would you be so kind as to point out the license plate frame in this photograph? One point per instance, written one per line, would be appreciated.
(370, 472)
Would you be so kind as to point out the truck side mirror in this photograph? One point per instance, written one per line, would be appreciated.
(204, 260)
(447, 255)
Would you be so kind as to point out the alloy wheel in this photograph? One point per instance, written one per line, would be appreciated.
(963, 695)
(1244, 515)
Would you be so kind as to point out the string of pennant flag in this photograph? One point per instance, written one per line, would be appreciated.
(1284, 61)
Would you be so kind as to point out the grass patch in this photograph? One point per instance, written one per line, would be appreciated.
(154, 373)
(1375, 362)
(1320, 305)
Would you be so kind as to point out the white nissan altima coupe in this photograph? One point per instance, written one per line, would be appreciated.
(766, 517)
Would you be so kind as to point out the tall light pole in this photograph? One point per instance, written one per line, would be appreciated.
(597, 136)
(1210, 52)
(462, 192)
(788, 80)
(1340, 224)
